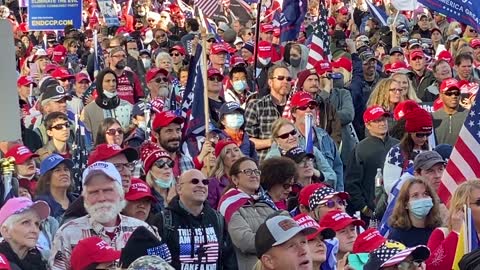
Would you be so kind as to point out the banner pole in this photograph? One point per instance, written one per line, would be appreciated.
(257, 37)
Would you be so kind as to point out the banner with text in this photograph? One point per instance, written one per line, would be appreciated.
(107, 7)
(54, 14)
(461, 10)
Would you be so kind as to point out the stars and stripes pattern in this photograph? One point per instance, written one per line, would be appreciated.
(202, 253)
(464, 161)
(186, 9)
(320, 45)
(208, 7)
(231, 202)
(79, 152)
(400, 256)
(162, 251)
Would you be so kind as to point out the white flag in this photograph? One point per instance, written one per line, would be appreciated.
(408, 5)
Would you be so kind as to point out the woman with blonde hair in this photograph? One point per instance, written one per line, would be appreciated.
(408, 91)
(387, 94)
(443, 241)
(416, 213)
(285, 137)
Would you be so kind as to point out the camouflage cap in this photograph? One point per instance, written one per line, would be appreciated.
(150, 263)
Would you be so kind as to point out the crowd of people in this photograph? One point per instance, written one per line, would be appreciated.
(259, 189)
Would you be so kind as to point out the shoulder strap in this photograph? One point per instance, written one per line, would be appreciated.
(167, 224)
(130, 78)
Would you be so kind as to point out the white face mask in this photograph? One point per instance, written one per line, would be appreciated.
(367, 28)
(147, 63)
(142, 125)
(234, 120)
(458, 30)
(110, 94)
(264, 61)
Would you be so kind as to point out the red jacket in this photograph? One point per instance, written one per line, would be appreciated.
(442, 250)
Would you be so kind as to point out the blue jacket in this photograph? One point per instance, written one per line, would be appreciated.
(327, 147)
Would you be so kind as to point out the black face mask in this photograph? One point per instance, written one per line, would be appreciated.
(121, 64)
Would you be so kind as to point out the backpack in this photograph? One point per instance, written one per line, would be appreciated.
(168, 229)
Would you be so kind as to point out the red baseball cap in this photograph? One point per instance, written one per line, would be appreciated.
(152, 73)
(397, 67)
(178, 48)
(368, 241)
(92, 250)
(264, 49)
(343, 10)
(449, 84)
(25, 81)
(266, 28)
(475, 42)
(373, 113)
(218, 48)
(105, 151)
(276, 31)
(323, 67)
(59, 53)
(50, 67)
(221, 144)
(163, 119)
(338, 220)
(343, 62)
(416, 53)
(301, 98)
(139, 190)
(236, 60)
(447, 56)
(213, 72)
(61, 73)
(306, 221)
(21, 153)
(82, 77)
(307, 191)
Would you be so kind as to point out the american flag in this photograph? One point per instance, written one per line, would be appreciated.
(162, 251)
(79, 155)
(186, 9)
(320, 45)
(464, 163)
(231, 201)
(208, 7)
(201, 253)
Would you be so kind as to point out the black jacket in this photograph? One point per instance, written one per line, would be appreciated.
(33, 260)
(193, 240)
(369, 154)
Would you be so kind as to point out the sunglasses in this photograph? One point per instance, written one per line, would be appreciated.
(64, 79)
(472, 31)
(281, 78)
(310, 106)
(211, 40)
(215, 79)
(120, 166)
(287, 186)
(251, 172)
(162, 163)
(113, 131)
(286, 135)
(331, 203)
(162, 79)
(423, 135)
(196, 181)
(61, 126)
(174, 54)
(477, 202)
(452, 93)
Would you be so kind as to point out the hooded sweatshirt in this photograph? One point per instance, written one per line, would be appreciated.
(193, 241)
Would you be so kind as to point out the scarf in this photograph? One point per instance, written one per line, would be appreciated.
(107, 103)
(33, 260)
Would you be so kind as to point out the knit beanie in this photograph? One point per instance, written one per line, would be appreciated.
(143, 242)
(220, 145)
(149, 153)
(303, 75)
(418, 120)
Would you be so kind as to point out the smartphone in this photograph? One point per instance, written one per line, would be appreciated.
(33, 69)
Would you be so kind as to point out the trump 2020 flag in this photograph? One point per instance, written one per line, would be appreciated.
(294, 13)
(464, 11)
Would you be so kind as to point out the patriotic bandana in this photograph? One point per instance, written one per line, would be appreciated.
(321, 196)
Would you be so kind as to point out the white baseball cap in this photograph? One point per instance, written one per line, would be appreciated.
(101, 167)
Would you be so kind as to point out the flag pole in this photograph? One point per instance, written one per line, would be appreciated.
(257, 37)
(205, 83)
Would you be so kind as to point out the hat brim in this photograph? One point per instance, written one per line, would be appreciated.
(342, 225)
(432, 162)
(326, 233)
(292, 233)
(41, 208)
(67, 162)
(59, 97)
(130, 153)
(138, 196)
(418, 253)
(108, 255)
(25, 157)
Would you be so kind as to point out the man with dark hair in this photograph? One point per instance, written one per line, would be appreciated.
(58, 131)
(449, 119)
(128, 85)
(260, 114)
(464, 68)
(240, 86)
(192, 26)
(421, 76)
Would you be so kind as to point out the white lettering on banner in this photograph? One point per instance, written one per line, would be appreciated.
(451, 4)
(472, 15)
(198, 267)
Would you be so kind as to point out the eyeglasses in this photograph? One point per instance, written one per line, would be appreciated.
(162, 163)
(398, 90)
(150, 20)
(310, 106)
(161, 79)
(306, 162)
(215, 79)
(287, 186)
(211, 40)
(113, 131)
(281, 78)
(196, 181)
(119, 166)
(251, 172)
(331, 203)
(175, 54)
(472, 31)
(61, 126)
(423, 135)
(452, 93)
(286, 135)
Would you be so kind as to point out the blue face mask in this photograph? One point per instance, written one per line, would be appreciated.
(421, 207)
(239, 86)
(164, 183)
(234, 120)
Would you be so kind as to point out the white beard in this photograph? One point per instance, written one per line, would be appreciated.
(105, 212)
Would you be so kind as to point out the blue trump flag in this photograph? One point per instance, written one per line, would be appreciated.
(464, 11)
(294, 13)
